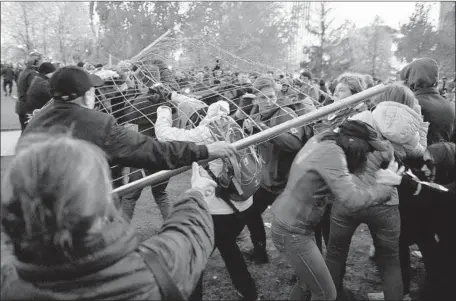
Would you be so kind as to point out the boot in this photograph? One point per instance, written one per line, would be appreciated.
(259, 255)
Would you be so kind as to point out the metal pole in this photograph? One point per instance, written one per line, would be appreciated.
(260, 137)
(133, 59)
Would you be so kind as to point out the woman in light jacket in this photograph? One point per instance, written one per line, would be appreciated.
(228, 224)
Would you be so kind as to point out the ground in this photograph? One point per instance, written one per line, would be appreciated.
(274, 280)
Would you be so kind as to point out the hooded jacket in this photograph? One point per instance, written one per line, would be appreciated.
(200, 135)
(403, 128)
(421, 76)
(109, 267)
(401, 125)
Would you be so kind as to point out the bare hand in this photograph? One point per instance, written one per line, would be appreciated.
(391, 176)
(221, 149)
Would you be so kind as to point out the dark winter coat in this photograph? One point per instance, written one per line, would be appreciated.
(109, 267)
(122, 146)
(422, 76)
(39, 93)
(23, 84)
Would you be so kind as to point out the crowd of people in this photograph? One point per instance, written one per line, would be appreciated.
(388, 162)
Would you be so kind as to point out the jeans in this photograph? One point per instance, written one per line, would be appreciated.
(384, 224)
(226, 229)
(322, 229)
(261, 200)
(307, 261)
(129, 200)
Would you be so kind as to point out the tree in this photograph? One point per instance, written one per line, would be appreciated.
(417, 37)
(372, 49)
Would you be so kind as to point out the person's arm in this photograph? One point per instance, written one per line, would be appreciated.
(186, 241)
(291, 140)
(165, 131)
(332, 167)
(133, 149)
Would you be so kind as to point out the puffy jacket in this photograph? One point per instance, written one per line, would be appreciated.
(421, 76)
(399, 124)
(122, 146)
(405, 131)
(110, 267)
(200, 135)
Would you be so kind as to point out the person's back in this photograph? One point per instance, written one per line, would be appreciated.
(23, 83)
(422, 76)
(8, 73)
(84, 249)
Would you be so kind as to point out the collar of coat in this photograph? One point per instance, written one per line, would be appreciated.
(115, 241)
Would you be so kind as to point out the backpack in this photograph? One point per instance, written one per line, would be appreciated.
(241, 176)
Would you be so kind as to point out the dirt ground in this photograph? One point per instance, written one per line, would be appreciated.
(274, 280)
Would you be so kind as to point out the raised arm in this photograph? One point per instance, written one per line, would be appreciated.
(133, 149)
(186, 241)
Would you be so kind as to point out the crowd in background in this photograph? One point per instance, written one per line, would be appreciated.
(388, 162)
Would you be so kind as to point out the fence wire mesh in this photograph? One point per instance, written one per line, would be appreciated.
(171, 73)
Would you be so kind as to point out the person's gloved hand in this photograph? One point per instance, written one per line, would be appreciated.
(164, 111)
(201, 181)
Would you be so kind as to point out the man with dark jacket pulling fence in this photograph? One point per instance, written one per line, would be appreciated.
(72, 106)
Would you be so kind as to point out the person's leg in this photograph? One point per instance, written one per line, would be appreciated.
(261, 200)
(10, 85)
(226, 229)
(310, 269)
(129, 200)
(5, 83)
(428, 247)
(384, 222)
(161, 197)
(343, 225)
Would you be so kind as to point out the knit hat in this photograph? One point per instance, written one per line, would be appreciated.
(71, 82)
(46, 68)
(264, 81)
(363, 131)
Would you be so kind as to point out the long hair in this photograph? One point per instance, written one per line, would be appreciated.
(54, 190)
(399, 93)
(355, 149)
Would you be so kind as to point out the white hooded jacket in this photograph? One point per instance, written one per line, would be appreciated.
(201, 134)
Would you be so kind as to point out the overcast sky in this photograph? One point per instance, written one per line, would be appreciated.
(393, 13)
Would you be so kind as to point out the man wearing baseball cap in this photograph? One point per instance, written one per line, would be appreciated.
(72, 89)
